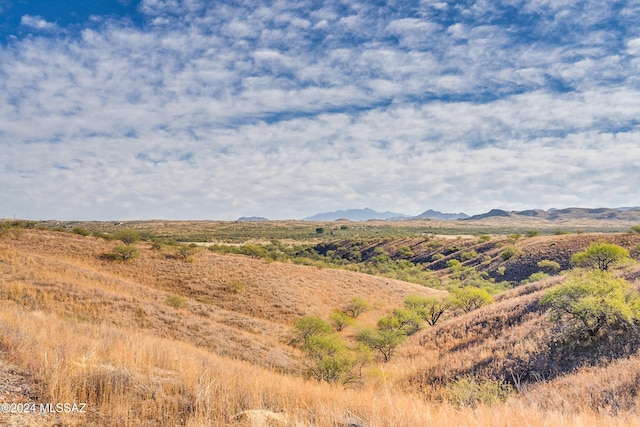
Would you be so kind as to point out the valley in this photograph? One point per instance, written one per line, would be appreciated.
(197, 325)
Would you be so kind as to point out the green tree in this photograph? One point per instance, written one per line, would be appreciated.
(309, 326)
(127, 237)
(549, 266)
(428, 308)
(356, 307)
(402, 320)
(331, 360)
(124, 253)
(339, 320)
(384, 341)
(470, 298)
(592, 303)
(601, 256)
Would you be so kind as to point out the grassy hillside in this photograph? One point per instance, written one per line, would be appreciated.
(206, 339)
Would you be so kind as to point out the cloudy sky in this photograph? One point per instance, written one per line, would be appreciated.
(190, 109)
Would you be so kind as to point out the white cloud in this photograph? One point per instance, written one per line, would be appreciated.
(37, 23)
(284, 110)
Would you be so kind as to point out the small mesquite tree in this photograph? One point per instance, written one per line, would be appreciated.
(402, 321)
(384, 341)
(592, 304)
(429, 309)
(329, 357)
(128, 237)
(309, 326)
(339, 320)
(601, 256)
(470, 298)
(356, 307)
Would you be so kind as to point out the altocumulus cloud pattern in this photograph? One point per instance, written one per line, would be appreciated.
(193, 109)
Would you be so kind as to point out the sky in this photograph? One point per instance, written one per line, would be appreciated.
(190, 109)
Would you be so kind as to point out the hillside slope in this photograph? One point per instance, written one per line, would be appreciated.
(161, 340)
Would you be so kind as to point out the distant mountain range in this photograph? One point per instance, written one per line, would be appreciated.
(366, 214)
(620, 214)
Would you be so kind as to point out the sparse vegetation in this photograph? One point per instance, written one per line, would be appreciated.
(592, 304)
(356, 307)
(549, 266)
(124, 253)
(163, 342)
(601, 256)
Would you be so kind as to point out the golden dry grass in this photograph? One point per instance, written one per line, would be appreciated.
(78, 328)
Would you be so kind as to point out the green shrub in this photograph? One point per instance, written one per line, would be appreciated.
(124, 253)
(81, 231)
(549, 266)
(509, 253)
(127, 236)
(601, 256)
(175, 301)
(356, 307)
(339, 320)
(235, 287)
(512, 238)
(466, 256)
(469, 298)
(532, 233)
(436, 257)
(591, 304)
(469, 391)
(383, 341)
(483, 238)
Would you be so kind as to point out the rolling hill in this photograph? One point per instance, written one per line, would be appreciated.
(206, 339)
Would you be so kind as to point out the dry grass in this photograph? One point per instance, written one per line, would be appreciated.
(78, 328)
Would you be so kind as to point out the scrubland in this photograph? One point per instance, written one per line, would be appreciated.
(206, 340)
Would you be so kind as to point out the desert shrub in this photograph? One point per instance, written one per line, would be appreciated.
(81, 231)
(402, 320)
(601, 256)
(549, 266)
(430, 309)
(308, 326)
(405, 252)
(532, 233)
(466, 256)
(356, 307)
(483, 238)
(512, 238)
(472, 391)
(635, 229)
(175, 301)
(185, 252)
(235, 287)
(469, 298)
(330, 359)
(383, 341)
(591, 304)
(340, 320)
(501, 270)
(127, 237)
(436, 257)
(123, 253)
(509, 253)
